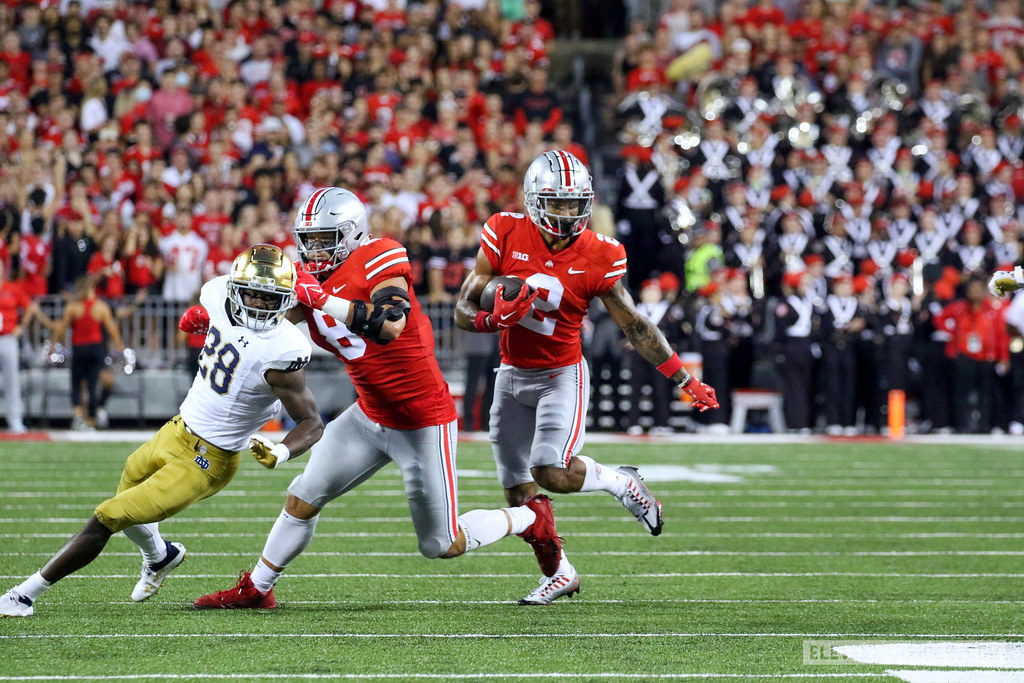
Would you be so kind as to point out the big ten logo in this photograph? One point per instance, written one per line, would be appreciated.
(520, 256)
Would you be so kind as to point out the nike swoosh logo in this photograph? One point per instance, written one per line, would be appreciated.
(338, 289)
(556, 375)
(575, 272)
(507, 315)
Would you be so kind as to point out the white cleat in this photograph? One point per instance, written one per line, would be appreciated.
(153, 577)
(554, 587)
(640, 502)
(15, 605)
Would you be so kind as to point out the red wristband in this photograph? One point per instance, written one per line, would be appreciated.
(482, 322)
(671, 366)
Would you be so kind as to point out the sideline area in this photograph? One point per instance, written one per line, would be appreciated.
(1006, 440)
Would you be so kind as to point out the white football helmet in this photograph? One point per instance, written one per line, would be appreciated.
(264, 271)
(331, 210)
(554, 176)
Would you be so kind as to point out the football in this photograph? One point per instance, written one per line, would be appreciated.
(511, 285)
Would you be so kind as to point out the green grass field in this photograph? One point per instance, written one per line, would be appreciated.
(827, 541)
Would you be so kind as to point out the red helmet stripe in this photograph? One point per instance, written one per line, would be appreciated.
(312, 202)
(567, 166)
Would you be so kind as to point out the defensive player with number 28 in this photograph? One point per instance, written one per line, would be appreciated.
(252, 363)
(403, 412)
(543, 384)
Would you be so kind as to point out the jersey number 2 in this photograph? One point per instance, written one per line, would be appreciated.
(218, 362)
(549, 300)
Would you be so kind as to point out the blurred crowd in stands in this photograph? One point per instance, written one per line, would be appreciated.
(810, 186)
(832, 183)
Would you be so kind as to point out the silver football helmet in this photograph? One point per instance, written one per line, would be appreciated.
(552, 182)
(330, 225)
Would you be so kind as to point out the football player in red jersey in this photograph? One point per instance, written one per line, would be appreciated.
(543, 385)
(403, 412)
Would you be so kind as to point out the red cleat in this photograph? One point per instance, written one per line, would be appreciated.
(541, 535)
(243, 596)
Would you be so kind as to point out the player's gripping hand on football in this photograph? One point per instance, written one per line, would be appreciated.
(703, 395)
(268, 453)
(1006, 281)
(508, 313)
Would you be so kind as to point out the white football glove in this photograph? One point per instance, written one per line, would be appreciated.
(268, 453)
(1006, 281)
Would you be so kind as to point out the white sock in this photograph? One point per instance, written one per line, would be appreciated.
(563, 564)
(263, 577)
(33, 586)
(601, 478)
(286, 541)
(522, 517)
(147, 537)
(483, 527)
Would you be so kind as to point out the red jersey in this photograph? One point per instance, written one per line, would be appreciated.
(568, 280)
(86, 330)
(12, 298)
(398, 385)
(35, 256)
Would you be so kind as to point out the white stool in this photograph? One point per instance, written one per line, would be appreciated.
(757, 399)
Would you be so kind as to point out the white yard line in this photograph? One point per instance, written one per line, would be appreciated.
(1002, 442)
(815, 519)
(496, 636)
(582, 534)
(661, 575)
(608, 601)
(563, 505)
(613, 553)
(443, 677)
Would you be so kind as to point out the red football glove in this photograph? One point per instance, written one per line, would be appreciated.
(309, 290)
(703, 395)
(508, 313)
(195, 321)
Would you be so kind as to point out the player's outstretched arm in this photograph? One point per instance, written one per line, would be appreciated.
(467, 307)
(650, 343)
(300, 405)
(380, 321)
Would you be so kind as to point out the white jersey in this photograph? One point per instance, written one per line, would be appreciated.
(230, 399)
(184, 256)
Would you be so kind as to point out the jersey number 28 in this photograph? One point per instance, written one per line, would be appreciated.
(217, 362)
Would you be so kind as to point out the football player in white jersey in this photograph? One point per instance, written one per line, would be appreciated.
(252, 363)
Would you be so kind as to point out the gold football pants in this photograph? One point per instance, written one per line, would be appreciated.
(165, 475)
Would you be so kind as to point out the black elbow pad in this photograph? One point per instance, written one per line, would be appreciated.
(378, 318)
